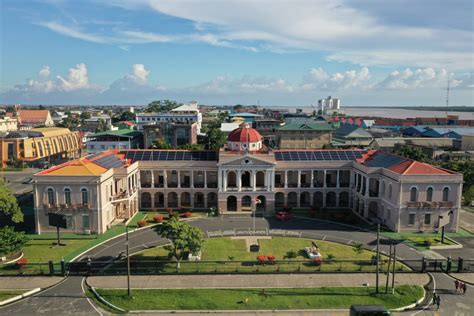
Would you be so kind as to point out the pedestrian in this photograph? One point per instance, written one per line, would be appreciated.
(464, 287)
(438, 302)
(456, 285)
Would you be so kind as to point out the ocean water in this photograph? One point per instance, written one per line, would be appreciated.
(398, 113)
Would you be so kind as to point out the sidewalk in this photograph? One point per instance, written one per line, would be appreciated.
(253, 281)
(465, 277)
(20, 283)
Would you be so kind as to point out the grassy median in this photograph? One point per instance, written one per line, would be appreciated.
(6, 294)
(255, 299)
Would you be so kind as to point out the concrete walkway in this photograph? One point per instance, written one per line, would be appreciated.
(465, 277)
(20, 283)
(253, 281)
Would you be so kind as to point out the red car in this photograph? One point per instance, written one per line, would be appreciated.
(284, 216)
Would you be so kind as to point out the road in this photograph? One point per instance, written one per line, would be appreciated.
(68, 298)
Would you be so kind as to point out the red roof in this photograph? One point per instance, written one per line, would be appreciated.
(244, 134)
(33, 116)
(416, 167)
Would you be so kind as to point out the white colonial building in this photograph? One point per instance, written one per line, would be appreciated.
(401, 193)
(184, 114)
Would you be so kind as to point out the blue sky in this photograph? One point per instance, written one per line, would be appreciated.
(288, 53)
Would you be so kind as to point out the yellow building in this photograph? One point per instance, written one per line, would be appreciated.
(40, 145)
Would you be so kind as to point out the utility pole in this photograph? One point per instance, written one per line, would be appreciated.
(393, 267)
(388, 268)
(377, 260)
(128, 262)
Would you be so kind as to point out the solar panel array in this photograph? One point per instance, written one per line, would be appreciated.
(109, 161)
(170, 155)
(331, 155)
(383, 160)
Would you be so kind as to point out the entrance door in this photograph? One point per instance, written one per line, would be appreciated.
(261, 207)
(86, 225)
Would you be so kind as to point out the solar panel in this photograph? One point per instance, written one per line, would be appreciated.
(325, 155)
(169, 155)
(109, 161)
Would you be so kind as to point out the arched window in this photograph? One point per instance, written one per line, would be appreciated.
(382, 190)
(429, 194)
(413, 194)
(445, 194)
(51, 198)
(85, 196)
(67, 196)
(390, 191)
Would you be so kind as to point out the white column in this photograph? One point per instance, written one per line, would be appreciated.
(299, 181)
(337, 179)
(205, 180)
(254, 188)
(324, 181)
(192, 180)
(312, 179)
(224, 180)
(239, 180)
(272, 184)
(286, 179)
(179, 182)
(367, 182)
(152, 179)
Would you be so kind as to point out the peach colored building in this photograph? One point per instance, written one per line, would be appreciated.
(246, 177)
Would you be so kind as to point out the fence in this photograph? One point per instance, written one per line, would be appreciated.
(157, 267)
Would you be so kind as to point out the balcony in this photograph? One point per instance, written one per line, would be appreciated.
(212, 185)
(305, 185)
(279, 185)
(65, 207)
(199, 185)
(120, 196)
(373, 194)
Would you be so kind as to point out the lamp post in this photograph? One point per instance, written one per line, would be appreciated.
(377, 260)
(128, 261)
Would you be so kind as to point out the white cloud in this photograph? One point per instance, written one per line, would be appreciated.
(245, 84)
(139, 73)
(320, 79)
(335, 27)
(76, 79)
(44, 72)
(418, 78)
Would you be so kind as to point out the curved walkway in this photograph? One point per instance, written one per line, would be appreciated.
(67, 298)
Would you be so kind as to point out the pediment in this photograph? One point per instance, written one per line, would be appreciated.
(249, 160)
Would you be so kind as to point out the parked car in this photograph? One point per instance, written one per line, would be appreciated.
(284, 216)
(27, 181)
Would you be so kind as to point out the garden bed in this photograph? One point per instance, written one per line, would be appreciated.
(255, 299)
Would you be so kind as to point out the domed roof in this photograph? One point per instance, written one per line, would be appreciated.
(244, 134)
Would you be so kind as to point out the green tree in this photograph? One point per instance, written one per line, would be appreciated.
(469, 196)
(160, 144)
(215, 138)
(127, 116)
(9, 204)
(11, 241)
(85, 116)
(411, 152)
(184, 238)
(191, 147)
(161, 106)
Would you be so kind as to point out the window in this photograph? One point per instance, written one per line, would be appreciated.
(390, 191)
(85, 196)
(411, 219)
(67, 196)
(445, 194)
(382, 191)
(388, 213)
(69, 222)
(413, 194)
(427, 219)
(429, 194)
(51, 199)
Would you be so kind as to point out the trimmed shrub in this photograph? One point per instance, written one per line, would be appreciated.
(173, 214)
(169, 210)
(141, 223)
(158, 218)
(186, 214)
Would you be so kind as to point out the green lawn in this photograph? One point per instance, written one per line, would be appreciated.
(274, 298)
(418, 240)
(6, 294)
(217, 250)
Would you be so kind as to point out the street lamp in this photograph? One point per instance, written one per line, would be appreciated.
(128, 261)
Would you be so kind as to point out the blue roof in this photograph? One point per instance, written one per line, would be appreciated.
(245, 114)
(458, 130)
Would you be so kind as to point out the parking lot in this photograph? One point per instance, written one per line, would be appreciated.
(19, 182)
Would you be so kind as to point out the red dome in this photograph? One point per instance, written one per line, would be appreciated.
(244, 134)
